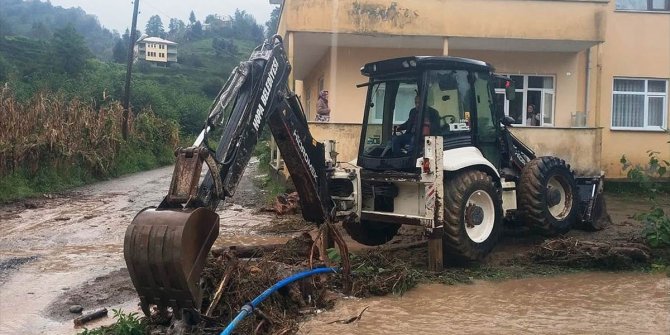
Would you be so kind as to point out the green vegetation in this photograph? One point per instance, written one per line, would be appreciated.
(648, 179)
(126, 324)
(62, 75)
(269, 183)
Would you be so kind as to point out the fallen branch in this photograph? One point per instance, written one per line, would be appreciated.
(410, 245)
(252, 251)
(222, 286)
(80, 321)
(351, 319)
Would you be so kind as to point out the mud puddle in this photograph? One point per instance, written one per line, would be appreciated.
(587, 303)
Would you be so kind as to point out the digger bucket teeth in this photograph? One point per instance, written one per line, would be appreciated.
(166, 251)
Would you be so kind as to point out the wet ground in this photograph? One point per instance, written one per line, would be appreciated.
(62, 250)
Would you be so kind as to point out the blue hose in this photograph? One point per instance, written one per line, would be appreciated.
(249, 308)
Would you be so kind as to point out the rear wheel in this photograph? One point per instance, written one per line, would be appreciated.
(371, 233)
(547, 195)
(473, 216)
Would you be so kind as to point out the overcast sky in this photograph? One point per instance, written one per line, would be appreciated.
(117, 14)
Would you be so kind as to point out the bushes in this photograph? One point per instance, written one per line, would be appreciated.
(657, 222)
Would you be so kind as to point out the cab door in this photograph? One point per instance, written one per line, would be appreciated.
(487, 123)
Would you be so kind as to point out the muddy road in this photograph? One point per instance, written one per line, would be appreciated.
(66, 250)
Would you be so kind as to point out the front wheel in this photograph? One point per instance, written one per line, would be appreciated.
(473, 216)
(547, 195)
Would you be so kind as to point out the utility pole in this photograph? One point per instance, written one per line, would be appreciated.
(129, 70)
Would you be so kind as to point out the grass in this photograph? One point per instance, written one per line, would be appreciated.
(126, 324)
(627, 187)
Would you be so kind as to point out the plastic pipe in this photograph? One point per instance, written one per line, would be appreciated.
(249, 308)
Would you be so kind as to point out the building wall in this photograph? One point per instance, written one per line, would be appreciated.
(347, 136)
(579, 147)
(638, 45)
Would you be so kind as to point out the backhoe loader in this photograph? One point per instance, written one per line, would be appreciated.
(459, 173)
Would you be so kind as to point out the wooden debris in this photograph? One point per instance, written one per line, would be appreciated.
(224, 281)
(80, 321)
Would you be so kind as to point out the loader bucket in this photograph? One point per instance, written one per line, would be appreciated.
(593, 210)
(166, 251)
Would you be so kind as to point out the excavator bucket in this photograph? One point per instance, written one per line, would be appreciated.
(166, 251)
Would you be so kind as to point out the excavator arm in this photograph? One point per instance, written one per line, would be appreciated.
(165, 248)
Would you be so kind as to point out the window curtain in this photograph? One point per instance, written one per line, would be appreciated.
(628, 108)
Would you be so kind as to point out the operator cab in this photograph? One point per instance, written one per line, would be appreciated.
(412, 97)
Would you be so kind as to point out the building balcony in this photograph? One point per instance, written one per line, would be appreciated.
(575, 20)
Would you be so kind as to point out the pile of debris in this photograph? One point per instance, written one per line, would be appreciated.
(235, 276)
(590, 254)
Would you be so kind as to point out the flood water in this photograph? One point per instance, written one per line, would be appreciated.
(588, 303)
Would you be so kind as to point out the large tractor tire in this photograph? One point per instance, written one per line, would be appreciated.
(547, 196)
(371, 233)
(473, 216)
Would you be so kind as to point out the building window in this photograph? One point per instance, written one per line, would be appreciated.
(639, 104)
(643, 5)
(534, 101)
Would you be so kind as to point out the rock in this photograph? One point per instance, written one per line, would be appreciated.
(62, 218)
(76, 309)
(30, 205)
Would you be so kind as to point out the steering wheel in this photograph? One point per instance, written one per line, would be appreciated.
(452, 119)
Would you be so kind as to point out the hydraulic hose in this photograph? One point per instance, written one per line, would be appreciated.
(249, 308)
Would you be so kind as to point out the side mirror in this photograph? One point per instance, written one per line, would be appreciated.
(507, 121)
(510, 90)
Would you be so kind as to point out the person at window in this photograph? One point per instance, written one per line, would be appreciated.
(411, 126)
(532, 116)
(322, 109)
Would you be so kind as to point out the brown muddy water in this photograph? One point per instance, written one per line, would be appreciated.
(587, 303)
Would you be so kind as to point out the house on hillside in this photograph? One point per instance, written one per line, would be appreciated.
(217, 22)
(597, 71)
(156, 50)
